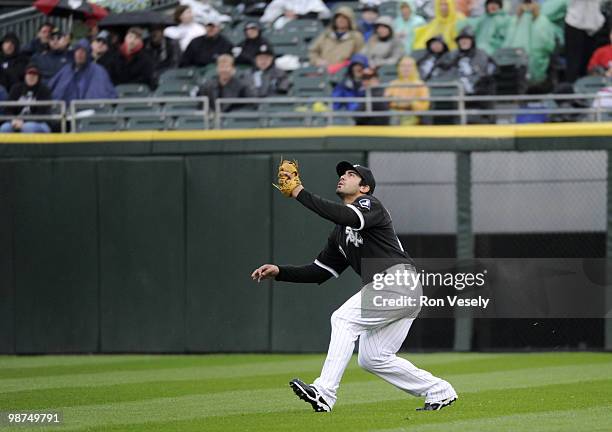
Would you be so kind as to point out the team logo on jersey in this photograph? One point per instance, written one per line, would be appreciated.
(365, 203)
(353, 237)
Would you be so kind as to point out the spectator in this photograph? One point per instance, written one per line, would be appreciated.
(204, 50)
(352, 84)
(82, 79)
(436, 48)
(601, 61)
(246, 50)
(103, 53)
(164, 52)
(49, 62)
(203, 11)
(491, 28)
(3, 97)
(444, 23)
(134, 65)
(186, 29)
(582, 21)
(268, 80)
(298, 8)
(366, 24)
(338, 42)
(370, 81)
(384, 48)
(225, 84)
(470, 65)
(30, 90)
(41, 42)
(535, 34)
(408, 76)
(12, 62)
(405, 23)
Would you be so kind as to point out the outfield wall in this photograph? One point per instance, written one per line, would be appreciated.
(144, 242)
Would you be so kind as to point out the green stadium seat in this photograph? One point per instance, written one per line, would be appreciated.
(276, 122)
(387, 73)
(133, 91)
(591, 84)
(309, 86)
(141, 107)
(306, 29)
(241, 123)
(149, 123)
(185, 107)
(179, 75)
(92, 124)
(174, 89)
(389, 8)
(287, 43)
(189, 123)
(449, 90)
(310, 72)
(98, 107)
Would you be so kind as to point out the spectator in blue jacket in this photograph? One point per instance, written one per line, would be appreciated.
(367, 22)
(58, 55)
(82, 79)
(352, 84)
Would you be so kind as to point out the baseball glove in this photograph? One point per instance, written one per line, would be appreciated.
(288, 177)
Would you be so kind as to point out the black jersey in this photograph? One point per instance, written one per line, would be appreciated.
(363, 230)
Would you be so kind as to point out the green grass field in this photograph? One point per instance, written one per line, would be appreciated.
(497, 392)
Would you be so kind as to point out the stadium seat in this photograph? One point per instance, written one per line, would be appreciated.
(310, 72)
(187, 107)
(180, 75)
(306, 29)
(189, 123)
(287, 43)
(279, 121)
(335, 121)
(143, 107)
(172, 89)
(241, 123)
(309, 86)
(387, 73)
(133, 91)
(98, 107)
(591, 84)
(449, 90)
(149, 123)
(388, 8)
(510, 75)
(92, 124)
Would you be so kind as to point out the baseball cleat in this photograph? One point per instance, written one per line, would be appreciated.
(309, 394)
(436, 406)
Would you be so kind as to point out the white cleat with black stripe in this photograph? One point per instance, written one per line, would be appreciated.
(436, 406)
(309, 394)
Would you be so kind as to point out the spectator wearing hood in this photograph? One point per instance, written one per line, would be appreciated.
(351, 85)
(601, 61)
(245, 51)
(164, 52)
(444, 23)
(491, 28)
(103, 53)
(367, 21)
(186, 29)
(338, 42)
(12, 61)
(384, 48)
(82, 79)
(225, 84)
(205, 50)
(535, 34)
(583, 19)
(405, 23)
(41, 42)
(30, 90)
(469, 64)
(134, 65)
(56, 57)
(268, 80)
(427, 64)
(407, 89)
(299, 8)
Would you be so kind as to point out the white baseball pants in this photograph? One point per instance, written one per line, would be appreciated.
(379, 340)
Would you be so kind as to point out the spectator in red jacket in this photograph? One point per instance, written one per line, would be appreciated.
(601, 60)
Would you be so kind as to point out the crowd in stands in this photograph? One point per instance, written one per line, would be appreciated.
(422, 40)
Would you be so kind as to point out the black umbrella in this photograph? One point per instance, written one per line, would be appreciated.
(139, 18)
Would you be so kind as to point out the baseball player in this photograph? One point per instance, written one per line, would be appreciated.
(363, 230)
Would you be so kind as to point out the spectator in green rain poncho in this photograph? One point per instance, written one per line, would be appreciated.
(405, 22)
(534, 33)
(490, 28)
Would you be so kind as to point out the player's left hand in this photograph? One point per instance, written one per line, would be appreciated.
(266, 271)
(288, 178)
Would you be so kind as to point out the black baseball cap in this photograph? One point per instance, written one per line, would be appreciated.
(364, 172)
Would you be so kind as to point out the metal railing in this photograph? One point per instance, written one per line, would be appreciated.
(58, 112)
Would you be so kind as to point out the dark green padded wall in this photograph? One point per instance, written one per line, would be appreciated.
(301, 312)
(55, 253)
(142, 254)
(228, 235)
(7, 292)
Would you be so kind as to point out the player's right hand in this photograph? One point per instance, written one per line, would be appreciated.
(266, 271)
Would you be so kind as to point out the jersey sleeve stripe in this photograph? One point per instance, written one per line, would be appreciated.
(326, 267)
(359, 214)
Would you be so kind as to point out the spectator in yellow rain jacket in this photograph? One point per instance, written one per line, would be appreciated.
(408, 73)
(444, 23)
